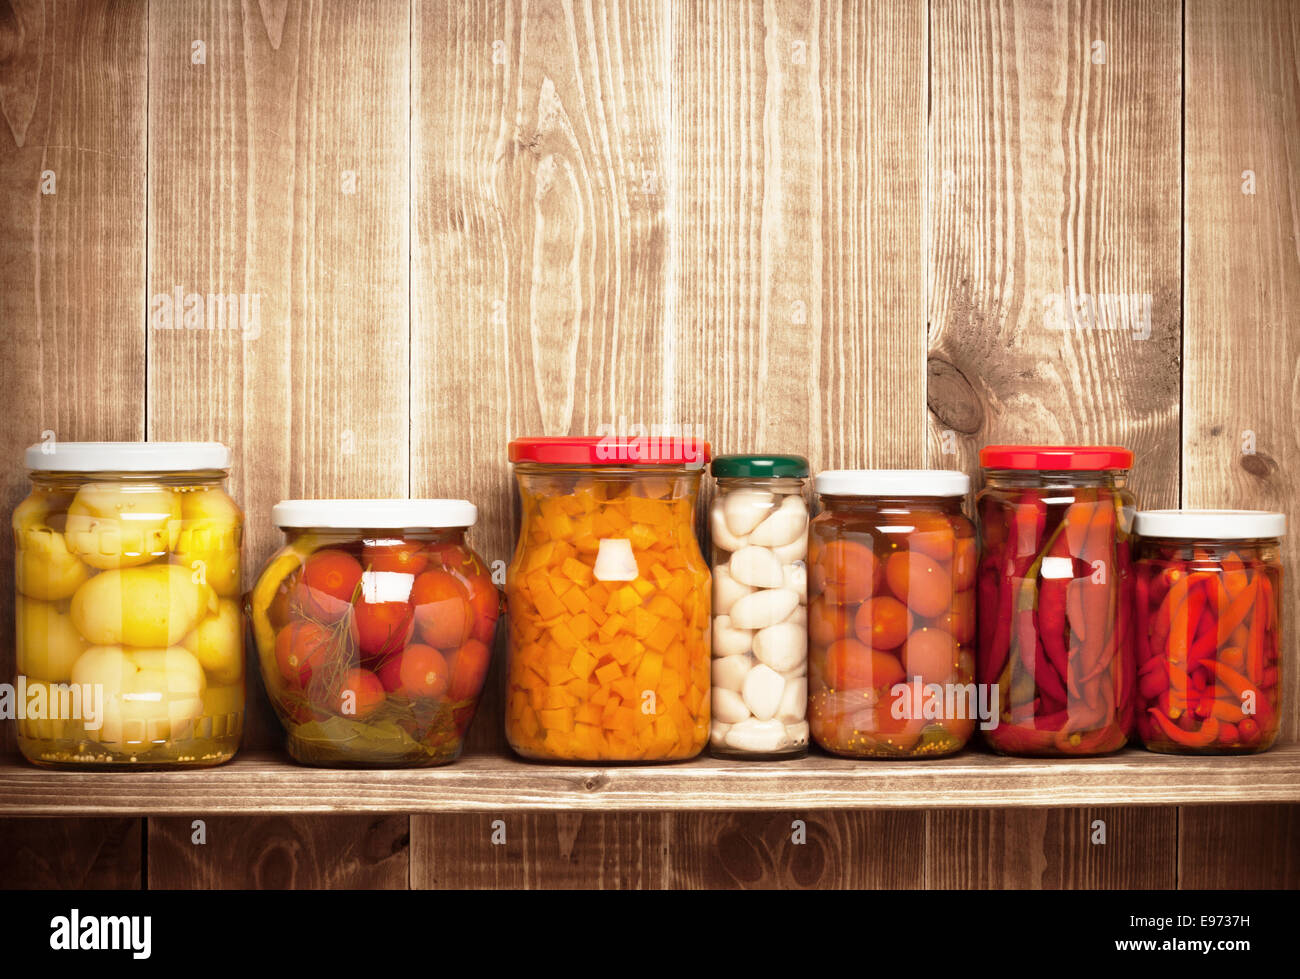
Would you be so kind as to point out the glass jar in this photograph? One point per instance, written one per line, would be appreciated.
(759, 533)
(609, 601)
(1056, 597)
(891, 614)
(374, 626)
(127, 621)
(1209, 630)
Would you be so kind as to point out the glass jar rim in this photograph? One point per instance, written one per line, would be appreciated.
(892, 482)
(1210, 525)
(373, 514)
(127, 457)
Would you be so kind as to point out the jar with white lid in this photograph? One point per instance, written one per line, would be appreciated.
(129, 635)
(1209, 630)
(891, 614)
(374, 626)
(759, 531)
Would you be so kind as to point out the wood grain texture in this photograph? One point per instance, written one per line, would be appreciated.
(84, 854)
(1054, 189)
(261, 782)
(1052, 848)
(249, 195)
(668, 850)
(280, 852)
(798, 217)
(1239, 847)
(1241, 346)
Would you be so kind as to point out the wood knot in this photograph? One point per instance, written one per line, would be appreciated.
(595, 781)
(952, 398)
(1259, 464)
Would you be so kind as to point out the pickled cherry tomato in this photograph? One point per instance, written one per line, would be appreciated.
(469, 666)
(919, 582)
(417, 671)
(383, 627)
(852, 665)
(404, 557)
(828, 621)
(882, 622)
(300, 647)
(328, 582)
(367, 693)
(485, 601)
(846, 572)
(963, 564)
(443, 613)
(930, 654)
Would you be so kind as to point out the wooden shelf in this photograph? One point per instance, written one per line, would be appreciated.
(267, 782)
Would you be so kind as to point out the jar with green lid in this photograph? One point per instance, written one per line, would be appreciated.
(759, 529)
(128, 628)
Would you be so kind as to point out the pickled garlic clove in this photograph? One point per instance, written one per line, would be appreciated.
(755, 735)
(745, 509)
(763, 608)
(726, 590)
(723, 538)
(615, 560)
(794, 701)
(728, 707)
(762, 691)
(757, 567)
(729, 672)
(796, 550)
(730, 641)
(798, 733)
(782, 646)
(795, 577)
(718, 733)
(783, 526)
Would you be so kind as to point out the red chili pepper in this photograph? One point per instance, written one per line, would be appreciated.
(1020, 740)
(1255, 647)
(1052, 721)
(1236, 610)
(1142, 590)
(1227, 733)
(1241, 688)
(1027, 522)
(1249, 732)
(1206, 735)
(1078, 518)
(1103, 740)
(1234, 575)
(995, 660)
(1153, 684)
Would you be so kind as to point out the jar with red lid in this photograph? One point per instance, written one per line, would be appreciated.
(608, 594)
(891, 614)
(1055, 594)
(1209, 627)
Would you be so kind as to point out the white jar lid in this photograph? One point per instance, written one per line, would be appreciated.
(1209, 525)
(892, 482)
(159, 457)
(379, 514)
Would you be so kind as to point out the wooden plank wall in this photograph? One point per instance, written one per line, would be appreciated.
(879, 234)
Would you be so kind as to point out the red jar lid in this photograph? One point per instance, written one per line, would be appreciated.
(611, 450)
(1056, 458)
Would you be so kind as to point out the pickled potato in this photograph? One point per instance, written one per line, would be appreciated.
(149, 694)
(209, 534)
(117, 525)
(215, 643)
(150, 606)
(43, 565)
(48, 642)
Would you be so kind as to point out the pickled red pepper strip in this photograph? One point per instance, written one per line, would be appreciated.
(1206, 735)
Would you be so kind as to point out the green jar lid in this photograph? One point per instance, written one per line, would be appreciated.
(759, 467)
